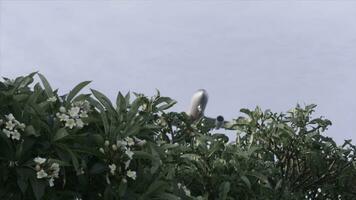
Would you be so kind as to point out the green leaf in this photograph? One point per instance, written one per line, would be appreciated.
(103, 100)
(97, 139)
(72, 155)
(279, 184)
(30, 130)
(246, 181)
(156, 162)
(27, 80)
(246, 111)
(60, 134)
(46, 85)
(81, 97)
(38, 187)
(155, 187)
(6, 148)
(23, 175)
(76, 90)
(103, 115)
(22, 183)
(191, 156)
(98, 168)
(168, 103)
(224, 190)
(143, 155)
(122, 188)
(121, 102)
(168, 196)
(20, 97)
(127, 98)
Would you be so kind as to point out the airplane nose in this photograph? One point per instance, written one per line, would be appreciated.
(198, 104)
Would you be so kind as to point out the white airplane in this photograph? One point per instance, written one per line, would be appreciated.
(196, 112)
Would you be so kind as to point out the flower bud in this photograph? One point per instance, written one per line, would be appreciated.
(62, 109)
(38, 167)
(11, 164)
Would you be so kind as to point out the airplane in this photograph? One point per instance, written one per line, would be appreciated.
(196, 112)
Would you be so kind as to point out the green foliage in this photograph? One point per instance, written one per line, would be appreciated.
(83, 146)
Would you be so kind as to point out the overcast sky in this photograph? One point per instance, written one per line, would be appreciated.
(274, 54)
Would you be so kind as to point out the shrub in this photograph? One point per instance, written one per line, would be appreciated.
(83, 146)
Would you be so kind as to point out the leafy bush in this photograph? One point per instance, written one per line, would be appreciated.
(83, 146)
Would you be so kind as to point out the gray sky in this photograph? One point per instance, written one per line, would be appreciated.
(244, 53)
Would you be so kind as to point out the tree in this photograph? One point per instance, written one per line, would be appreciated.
(83, 146)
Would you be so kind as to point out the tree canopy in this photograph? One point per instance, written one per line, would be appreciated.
(84, 146)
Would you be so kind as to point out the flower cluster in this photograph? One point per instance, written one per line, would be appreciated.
(185, 189)
(129, 173)
(12, 127)
(124, 148)
(46, 170)
(73, 115)
(52, 99)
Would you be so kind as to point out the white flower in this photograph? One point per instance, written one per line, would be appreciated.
(131, 174)
(10, 117)
(10, 125)
(186, 191)
(12, 164)
(81, 171)
(7, 132)
(39, 160)
(114, 147)
(22, 126)
(41, 174)
(62, 117)
(51, 182)
(52, 99)
(130, 141)
(70, 123)
(142, 107)
(112, 168)
(129, 153)
(127, 164)
(107, 179)
(121, 143)
(79, 123)
(83, 114)
(16, 135)
(62, 109)
(74, 111)
(55, 169)
(102, 150)
(106, 143)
